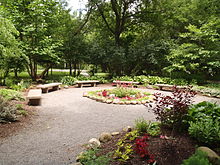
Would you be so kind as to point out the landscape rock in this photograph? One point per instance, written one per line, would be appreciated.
(105, 137)
(108, 101)
(134, 102)
(94, 142)
(80, 156)
(127, 129)
(65, 86)
(212, 156)
(115, 133)
(144, 101)
(85, 94)
(78, 163)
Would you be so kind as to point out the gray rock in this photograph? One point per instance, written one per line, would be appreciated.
(127, 129)
(94, 142)
(105, 137)
(212, 156)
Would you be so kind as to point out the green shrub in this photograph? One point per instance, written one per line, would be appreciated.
(123, 92)
(215, 92)
(90, 158)
(7, 111)
(205, 131)
(68, 80)
(199, 158)
(141, 125)
(204, 110)
(144, 126)
(10, 94)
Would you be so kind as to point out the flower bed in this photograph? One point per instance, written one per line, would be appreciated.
(120, 95)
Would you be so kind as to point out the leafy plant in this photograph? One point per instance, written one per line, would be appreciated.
(10, 94)
(124, 92)
(172, 110)
(125, 149)
(90, 158)
(7, 111)
(141, 148)
(204, 110)
(206, 131)
(68, 80)
(143, 126)
(199, 158)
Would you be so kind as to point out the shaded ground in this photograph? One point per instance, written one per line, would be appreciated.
(64, 122)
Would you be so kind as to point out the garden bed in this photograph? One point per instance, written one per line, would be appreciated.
(120, 95)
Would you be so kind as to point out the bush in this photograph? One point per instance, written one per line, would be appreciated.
(68, 80)
(206, 131)
(172, 110)
(124, 92)
(199, 158)
(90, 158)
(10, 94)
(204, 110)
(207, 91)
(151, 128)
(7, 111)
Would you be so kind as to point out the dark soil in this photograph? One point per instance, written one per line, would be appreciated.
(165, 151)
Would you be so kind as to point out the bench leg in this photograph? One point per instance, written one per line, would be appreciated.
(44, 90)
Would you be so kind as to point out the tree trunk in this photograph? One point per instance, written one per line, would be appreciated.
(71, 68)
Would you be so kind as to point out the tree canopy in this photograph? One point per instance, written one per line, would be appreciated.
(123, 37)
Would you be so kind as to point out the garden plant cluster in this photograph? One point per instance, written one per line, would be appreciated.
(176, 113)
(120, 95)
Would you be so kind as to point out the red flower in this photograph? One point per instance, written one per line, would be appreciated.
(104, 93)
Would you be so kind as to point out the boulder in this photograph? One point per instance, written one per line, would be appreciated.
(65, 86)
(105, 137)
(115, 133)
(94, 142)
(212, 156)
(127, 129)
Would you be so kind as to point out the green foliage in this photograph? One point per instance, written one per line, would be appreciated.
(10, 94)
(203, 111)
(90, 158)
(7, 111)
(141, 125)
(101, 79)
(199, 158)
(204, 122)
(215, 92)
(124, 92)
(207, 131)
(68, 80)
(125, 149)
(144, 126)
(15, 85)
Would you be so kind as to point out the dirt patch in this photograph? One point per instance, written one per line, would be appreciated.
(165, 151)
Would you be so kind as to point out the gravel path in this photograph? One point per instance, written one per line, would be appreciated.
(65, 121)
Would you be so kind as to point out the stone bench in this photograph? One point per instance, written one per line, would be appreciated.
(34, 96)
(125, 83)
(93, 83)
(51, 86)
(161, 86)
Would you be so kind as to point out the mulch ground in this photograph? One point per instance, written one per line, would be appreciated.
(165, 151)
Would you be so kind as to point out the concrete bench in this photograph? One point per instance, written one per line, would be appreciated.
(51, 86)
(93, 83)
(34, 96)
(125, 83)
(161, 86)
